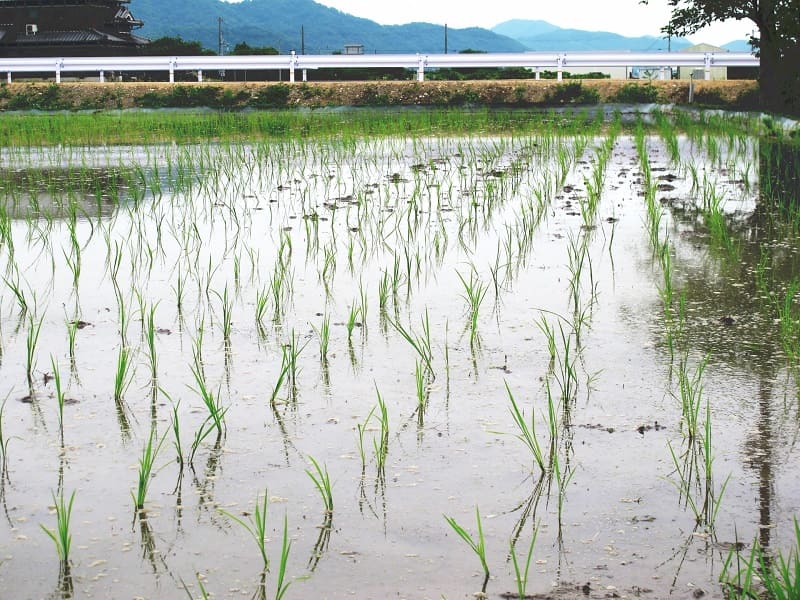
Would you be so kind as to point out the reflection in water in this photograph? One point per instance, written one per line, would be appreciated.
(62, 193)
(732, 302)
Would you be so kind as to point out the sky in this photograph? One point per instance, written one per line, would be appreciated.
(630, 17)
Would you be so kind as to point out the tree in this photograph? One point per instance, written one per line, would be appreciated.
(177, 46)
(778, 23)
(244, 49)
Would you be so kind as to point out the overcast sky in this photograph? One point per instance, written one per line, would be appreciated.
(629, 17)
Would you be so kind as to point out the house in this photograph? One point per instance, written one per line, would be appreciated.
(36, 28)
(717, 73)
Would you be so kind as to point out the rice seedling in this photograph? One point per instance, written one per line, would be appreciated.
(760, 575)
(283, 375)
(361, 429)
(32, 339)
(211, 402)
(422, 389)
(3, 446)
(527, 431)
(262, 303)
(352, 320)
(146, 462)
(61, 535)
(227, 314)
(420, 343)
(256, 526)
(19, 295)
(123, 374)
(293, 353)
(59, 396)
(72, 330)
(322, 482)
(175, 426)
(478, 546)
(324, 335)
(521, 575)
(286, 545)
(381, 445)
(690, 388)
(150, 338)
(474, 294)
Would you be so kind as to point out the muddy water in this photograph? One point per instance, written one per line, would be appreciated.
(194, 234)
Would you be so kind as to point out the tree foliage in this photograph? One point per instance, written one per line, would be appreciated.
(778, 23)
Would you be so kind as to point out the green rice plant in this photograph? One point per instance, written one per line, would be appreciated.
(690, 388)
(146, 462)
(521, 575)
(352, 320)
(180, 290)
(362, 428)
(715, 221)
(205, 429)
(474, 295)
(227, 314)
(324, 335)
(422, 388)
(527, 433)
(213, 405)
(150, 340)
(286, 546)
(61, 535)
(19, 295)
(383, 291)
(478, 546)
(262, 303)
(293, 353)
(789, 318)
(381, 446)
(3, 446)
(74, 264)
(322, 482)
(420, 343)
(123, 374)
(72, 330)
(283, 375)
(59, 396)
(175, 425)
(762, 576)
(256, 526)
(32, 339)
(566, 373)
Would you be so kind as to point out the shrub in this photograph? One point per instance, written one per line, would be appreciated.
(571, 93)
(636, 93)
(271, 96)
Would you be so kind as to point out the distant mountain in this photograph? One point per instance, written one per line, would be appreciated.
(523, 28)
(738, 46)
(543, 36)
(277, 23)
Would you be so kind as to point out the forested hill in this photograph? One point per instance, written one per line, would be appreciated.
(277, 23)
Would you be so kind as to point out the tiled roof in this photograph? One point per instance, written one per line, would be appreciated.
(61, 37)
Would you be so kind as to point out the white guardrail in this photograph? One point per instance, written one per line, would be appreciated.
(536, 61)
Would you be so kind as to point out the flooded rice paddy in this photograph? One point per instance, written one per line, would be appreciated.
(586, 339)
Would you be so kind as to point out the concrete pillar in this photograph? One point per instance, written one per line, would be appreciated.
(199, 75)
(102, 76)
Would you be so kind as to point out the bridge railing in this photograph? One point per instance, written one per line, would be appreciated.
(536, 61)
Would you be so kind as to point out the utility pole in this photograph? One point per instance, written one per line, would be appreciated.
(221, 44)
(302, 40)
(445, 38)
